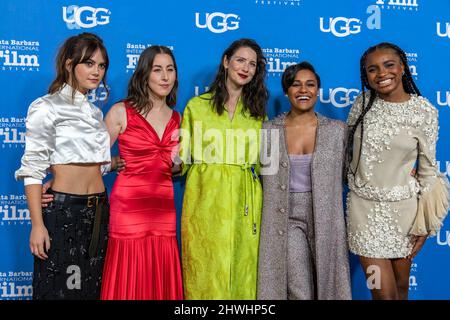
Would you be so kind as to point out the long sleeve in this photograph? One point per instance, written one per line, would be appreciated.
(433, 195)
(260, 150)
(344, 156)
(39, 141)
(185, 140)
(355, 110)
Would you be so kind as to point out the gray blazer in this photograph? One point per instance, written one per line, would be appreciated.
(331, 259)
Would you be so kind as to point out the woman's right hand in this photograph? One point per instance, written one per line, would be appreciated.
(39, 241)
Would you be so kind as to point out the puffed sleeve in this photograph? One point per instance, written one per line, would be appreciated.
(433, 194)
(185, 140)
(39, 141)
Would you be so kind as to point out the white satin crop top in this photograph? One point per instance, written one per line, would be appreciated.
(62, 130)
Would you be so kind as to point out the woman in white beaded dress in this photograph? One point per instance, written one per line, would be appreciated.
(397, 195)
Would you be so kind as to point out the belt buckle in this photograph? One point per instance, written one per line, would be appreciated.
(92, 201)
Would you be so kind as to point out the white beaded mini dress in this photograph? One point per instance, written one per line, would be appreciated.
(388, 202)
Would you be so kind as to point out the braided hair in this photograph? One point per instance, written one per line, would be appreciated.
(408, 85)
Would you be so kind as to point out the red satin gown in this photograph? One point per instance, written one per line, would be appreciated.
(142, 259)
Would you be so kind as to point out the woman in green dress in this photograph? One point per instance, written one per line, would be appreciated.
(222, 202)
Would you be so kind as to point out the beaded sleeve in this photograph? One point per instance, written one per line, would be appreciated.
(433, 195)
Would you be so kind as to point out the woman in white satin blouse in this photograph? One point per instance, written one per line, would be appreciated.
(67, 136)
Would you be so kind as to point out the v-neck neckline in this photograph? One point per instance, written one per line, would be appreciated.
(236, 109)
(160, 139)
(315, 140)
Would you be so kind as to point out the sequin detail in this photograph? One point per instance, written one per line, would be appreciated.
(396, 193)
(397, 138)
(383, 122)
(381, 237)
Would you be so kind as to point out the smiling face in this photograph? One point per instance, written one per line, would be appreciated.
(241, 66)
(384, 71)
(162, 75)
(89, 73)
(303, 91)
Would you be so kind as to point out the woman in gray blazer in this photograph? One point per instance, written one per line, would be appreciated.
(303, 250)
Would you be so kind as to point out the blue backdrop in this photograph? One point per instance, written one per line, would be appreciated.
(330, 34)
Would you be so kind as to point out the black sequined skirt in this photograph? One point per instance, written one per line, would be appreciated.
(78, 230)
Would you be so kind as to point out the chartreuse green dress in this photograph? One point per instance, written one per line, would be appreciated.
(222, 202)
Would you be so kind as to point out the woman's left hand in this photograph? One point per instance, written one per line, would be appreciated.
(418, 241)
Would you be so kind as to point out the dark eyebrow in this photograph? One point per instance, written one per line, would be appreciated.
(93, 61)
(307, 81)
(374, 65)
(157, 65)
(245, 58)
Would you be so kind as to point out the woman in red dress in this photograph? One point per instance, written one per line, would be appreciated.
(142, 259)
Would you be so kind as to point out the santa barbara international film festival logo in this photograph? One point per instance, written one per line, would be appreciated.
(413, 58)
(12, 132)
(132, 53)
(19, 55)
(16, 285)
(404, 5)
(85, 17)
(285, 3)
(217, 22)
(14, 210)
(413, 285)
(278, 59)
(343, 27)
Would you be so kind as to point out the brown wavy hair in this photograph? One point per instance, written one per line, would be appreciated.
(138, 90)
(78, 49)
(254, 93)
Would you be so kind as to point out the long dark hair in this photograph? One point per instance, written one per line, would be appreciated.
(254, 93)
(138, 90)
(78, 49)
(408, 85)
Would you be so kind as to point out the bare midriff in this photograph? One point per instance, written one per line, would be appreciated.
(79, 179)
